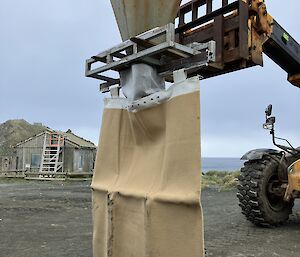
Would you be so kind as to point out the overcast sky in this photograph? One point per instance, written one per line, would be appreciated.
(43, 48)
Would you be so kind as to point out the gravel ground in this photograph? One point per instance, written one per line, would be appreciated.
(228, 234)
(41, 219)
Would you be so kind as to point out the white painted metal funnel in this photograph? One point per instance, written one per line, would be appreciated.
(137, 16)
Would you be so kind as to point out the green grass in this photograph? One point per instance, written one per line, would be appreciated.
(221, 179)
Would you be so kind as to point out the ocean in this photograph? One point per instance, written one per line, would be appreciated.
(221, 164)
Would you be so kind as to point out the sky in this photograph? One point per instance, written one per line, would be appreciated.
(44, 45)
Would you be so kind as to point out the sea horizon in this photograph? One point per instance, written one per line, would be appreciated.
(221, 164)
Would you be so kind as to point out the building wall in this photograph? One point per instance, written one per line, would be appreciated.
(83, 160)
(68, 157)
(8, 163)
(26, 150)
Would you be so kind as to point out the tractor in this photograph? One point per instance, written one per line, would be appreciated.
(270, 180)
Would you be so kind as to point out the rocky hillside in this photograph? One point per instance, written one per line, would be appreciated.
(14, 131)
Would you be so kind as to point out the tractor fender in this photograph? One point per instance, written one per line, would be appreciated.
(258, 154)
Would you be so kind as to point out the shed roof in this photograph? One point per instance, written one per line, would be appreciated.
(81, 142)
(68, 135)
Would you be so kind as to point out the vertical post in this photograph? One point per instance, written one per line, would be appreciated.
(219, 39)
(181, 19)
(135, 48)
(63, 157)
(243, 30)
(208, 6)
(109, 59)
(224, 2)
(43, 152)
(170, 33)
(194, 11)
(178, 37)
(23, 158)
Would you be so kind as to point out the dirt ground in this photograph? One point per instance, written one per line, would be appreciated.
(39, 219)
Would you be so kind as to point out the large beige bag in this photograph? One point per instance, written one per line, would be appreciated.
(146, 187)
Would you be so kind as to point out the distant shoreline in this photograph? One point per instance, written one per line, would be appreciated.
(221, 164)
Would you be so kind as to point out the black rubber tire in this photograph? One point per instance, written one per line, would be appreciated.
(258, 207)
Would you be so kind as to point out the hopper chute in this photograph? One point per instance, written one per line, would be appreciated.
(137, 16)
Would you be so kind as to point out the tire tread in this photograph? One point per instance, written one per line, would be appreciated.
(250, 192)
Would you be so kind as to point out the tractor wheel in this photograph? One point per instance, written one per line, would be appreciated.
(261, 195)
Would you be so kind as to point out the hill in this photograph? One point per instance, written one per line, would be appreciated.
(15, 131)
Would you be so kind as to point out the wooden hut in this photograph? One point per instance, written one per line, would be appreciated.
(55, 155)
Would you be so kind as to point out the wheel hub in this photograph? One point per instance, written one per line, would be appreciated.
(275, 193)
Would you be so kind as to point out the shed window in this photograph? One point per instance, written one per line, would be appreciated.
(35, 160)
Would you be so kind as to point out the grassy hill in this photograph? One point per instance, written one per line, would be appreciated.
(15, 131)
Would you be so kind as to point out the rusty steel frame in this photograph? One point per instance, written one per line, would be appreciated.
(229, 26)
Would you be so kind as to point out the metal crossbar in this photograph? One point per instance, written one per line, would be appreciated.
(144, 49)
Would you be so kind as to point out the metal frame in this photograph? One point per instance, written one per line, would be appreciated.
(143, 49)
(228, 26)
(231, 37)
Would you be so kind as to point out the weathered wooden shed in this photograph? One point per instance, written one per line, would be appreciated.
(55, 154)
